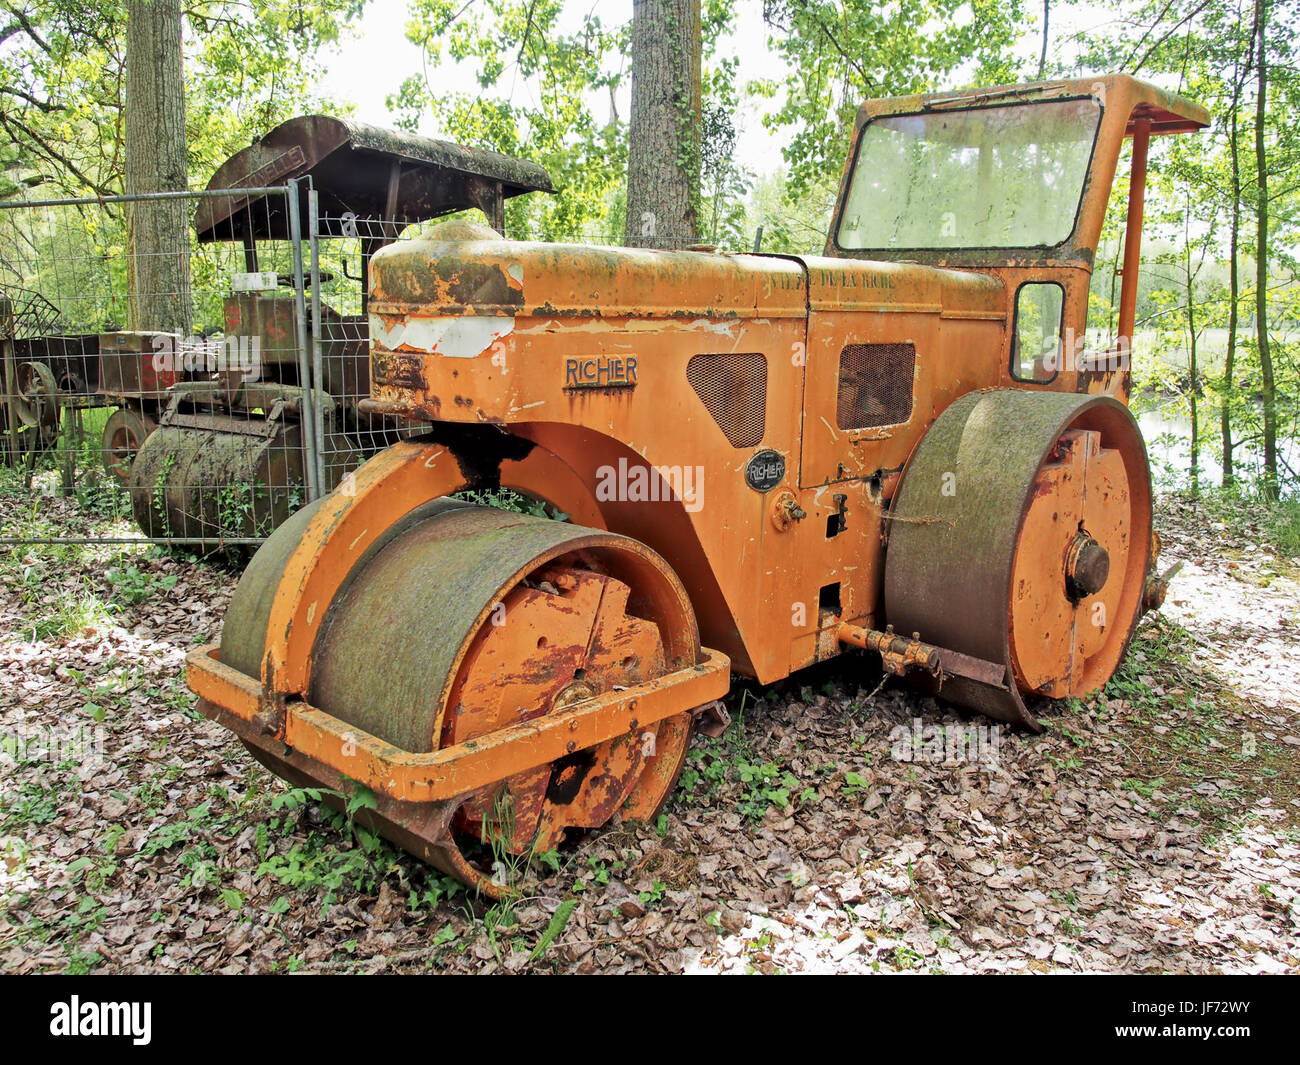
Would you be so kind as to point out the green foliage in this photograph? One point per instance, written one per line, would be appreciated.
(838, 53)
(248, 509)
(1284, 527)
(319, 864)
(1203, 201)
(131, 586)
(509, 499)
(556, 925)
(730, 763)
(654, 895)
(504, 42)
(249, 65)
(1253, 518)
(724, 183)
(855, 783)
(793, 222)
(508, 44)
(252, 67)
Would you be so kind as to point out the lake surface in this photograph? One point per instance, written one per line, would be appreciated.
(1169, 447)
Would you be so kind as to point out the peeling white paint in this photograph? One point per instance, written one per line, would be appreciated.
(709, 325)
(516, 272)
(546, 325)
(459, 337)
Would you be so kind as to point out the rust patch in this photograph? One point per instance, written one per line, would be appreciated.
(398, 370)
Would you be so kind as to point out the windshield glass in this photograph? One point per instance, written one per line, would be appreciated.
(988, 177)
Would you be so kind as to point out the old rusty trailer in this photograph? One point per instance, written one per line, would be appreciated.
(45, 373)
(236, 449)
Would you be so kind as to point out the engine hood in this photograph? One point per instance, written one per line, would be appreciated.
(502, 278)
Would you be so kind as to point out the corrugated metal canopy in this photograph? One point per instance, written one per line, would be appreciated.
(361, 171)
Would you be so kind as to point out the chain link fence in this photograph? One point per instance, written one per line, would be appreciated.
(198, 397)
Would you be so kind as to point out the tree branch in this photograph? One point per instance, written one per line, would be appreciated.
(10, 124)
(867, 81)
(528, 29)
(1172, 30)
(21, 18)
(43, 105)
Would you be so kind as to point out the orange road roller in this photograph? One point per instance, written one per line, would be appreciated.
(917, 445)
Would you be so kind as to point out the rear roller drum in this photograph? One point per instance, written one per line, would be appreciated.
(240, 478)
(1020, 535)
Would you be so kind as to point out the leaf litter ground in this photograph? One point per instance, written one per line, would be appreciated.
(1152, 828)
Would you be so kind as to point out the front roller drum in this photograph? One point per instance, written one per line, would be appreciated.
(463, 622)
(1020, 537)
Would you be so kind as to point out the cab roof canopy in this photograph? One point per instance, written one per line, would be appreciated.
(1166, 111)
(360, 171)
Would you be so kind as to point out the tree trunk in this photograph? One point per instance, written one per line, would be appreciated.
(663, 171)
(1261, 261)
(1047, 21)
(1193, 369)
(158, 263)
(1234, 294)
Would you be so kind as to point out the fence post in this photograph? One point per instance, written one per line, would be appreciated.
(317, 361)
(310, 444)
(10, 380)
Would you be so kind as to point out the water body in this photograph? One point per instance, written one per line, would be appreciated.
(1169, 448)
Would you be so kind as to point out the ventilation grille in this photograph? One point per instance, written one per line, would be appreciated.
(734, 390)
(875, 385)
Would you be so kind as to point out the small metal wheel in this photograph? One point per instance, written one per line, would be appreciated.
(124, 434)
(37, 403)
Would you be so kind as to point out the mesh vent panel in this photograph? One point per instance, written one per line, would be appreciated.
(875, 385)
(734, 390)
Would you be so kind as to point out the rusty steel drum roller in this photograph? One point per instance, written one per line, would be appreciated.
(460, 621)
(228, 463)
(188, 483)
(1021, 536)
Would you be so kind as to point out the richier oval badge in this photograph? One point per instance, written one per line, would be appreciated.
(765, 470)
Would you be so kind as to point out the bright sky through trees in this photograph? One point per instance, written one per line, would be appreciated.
(369, 68)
